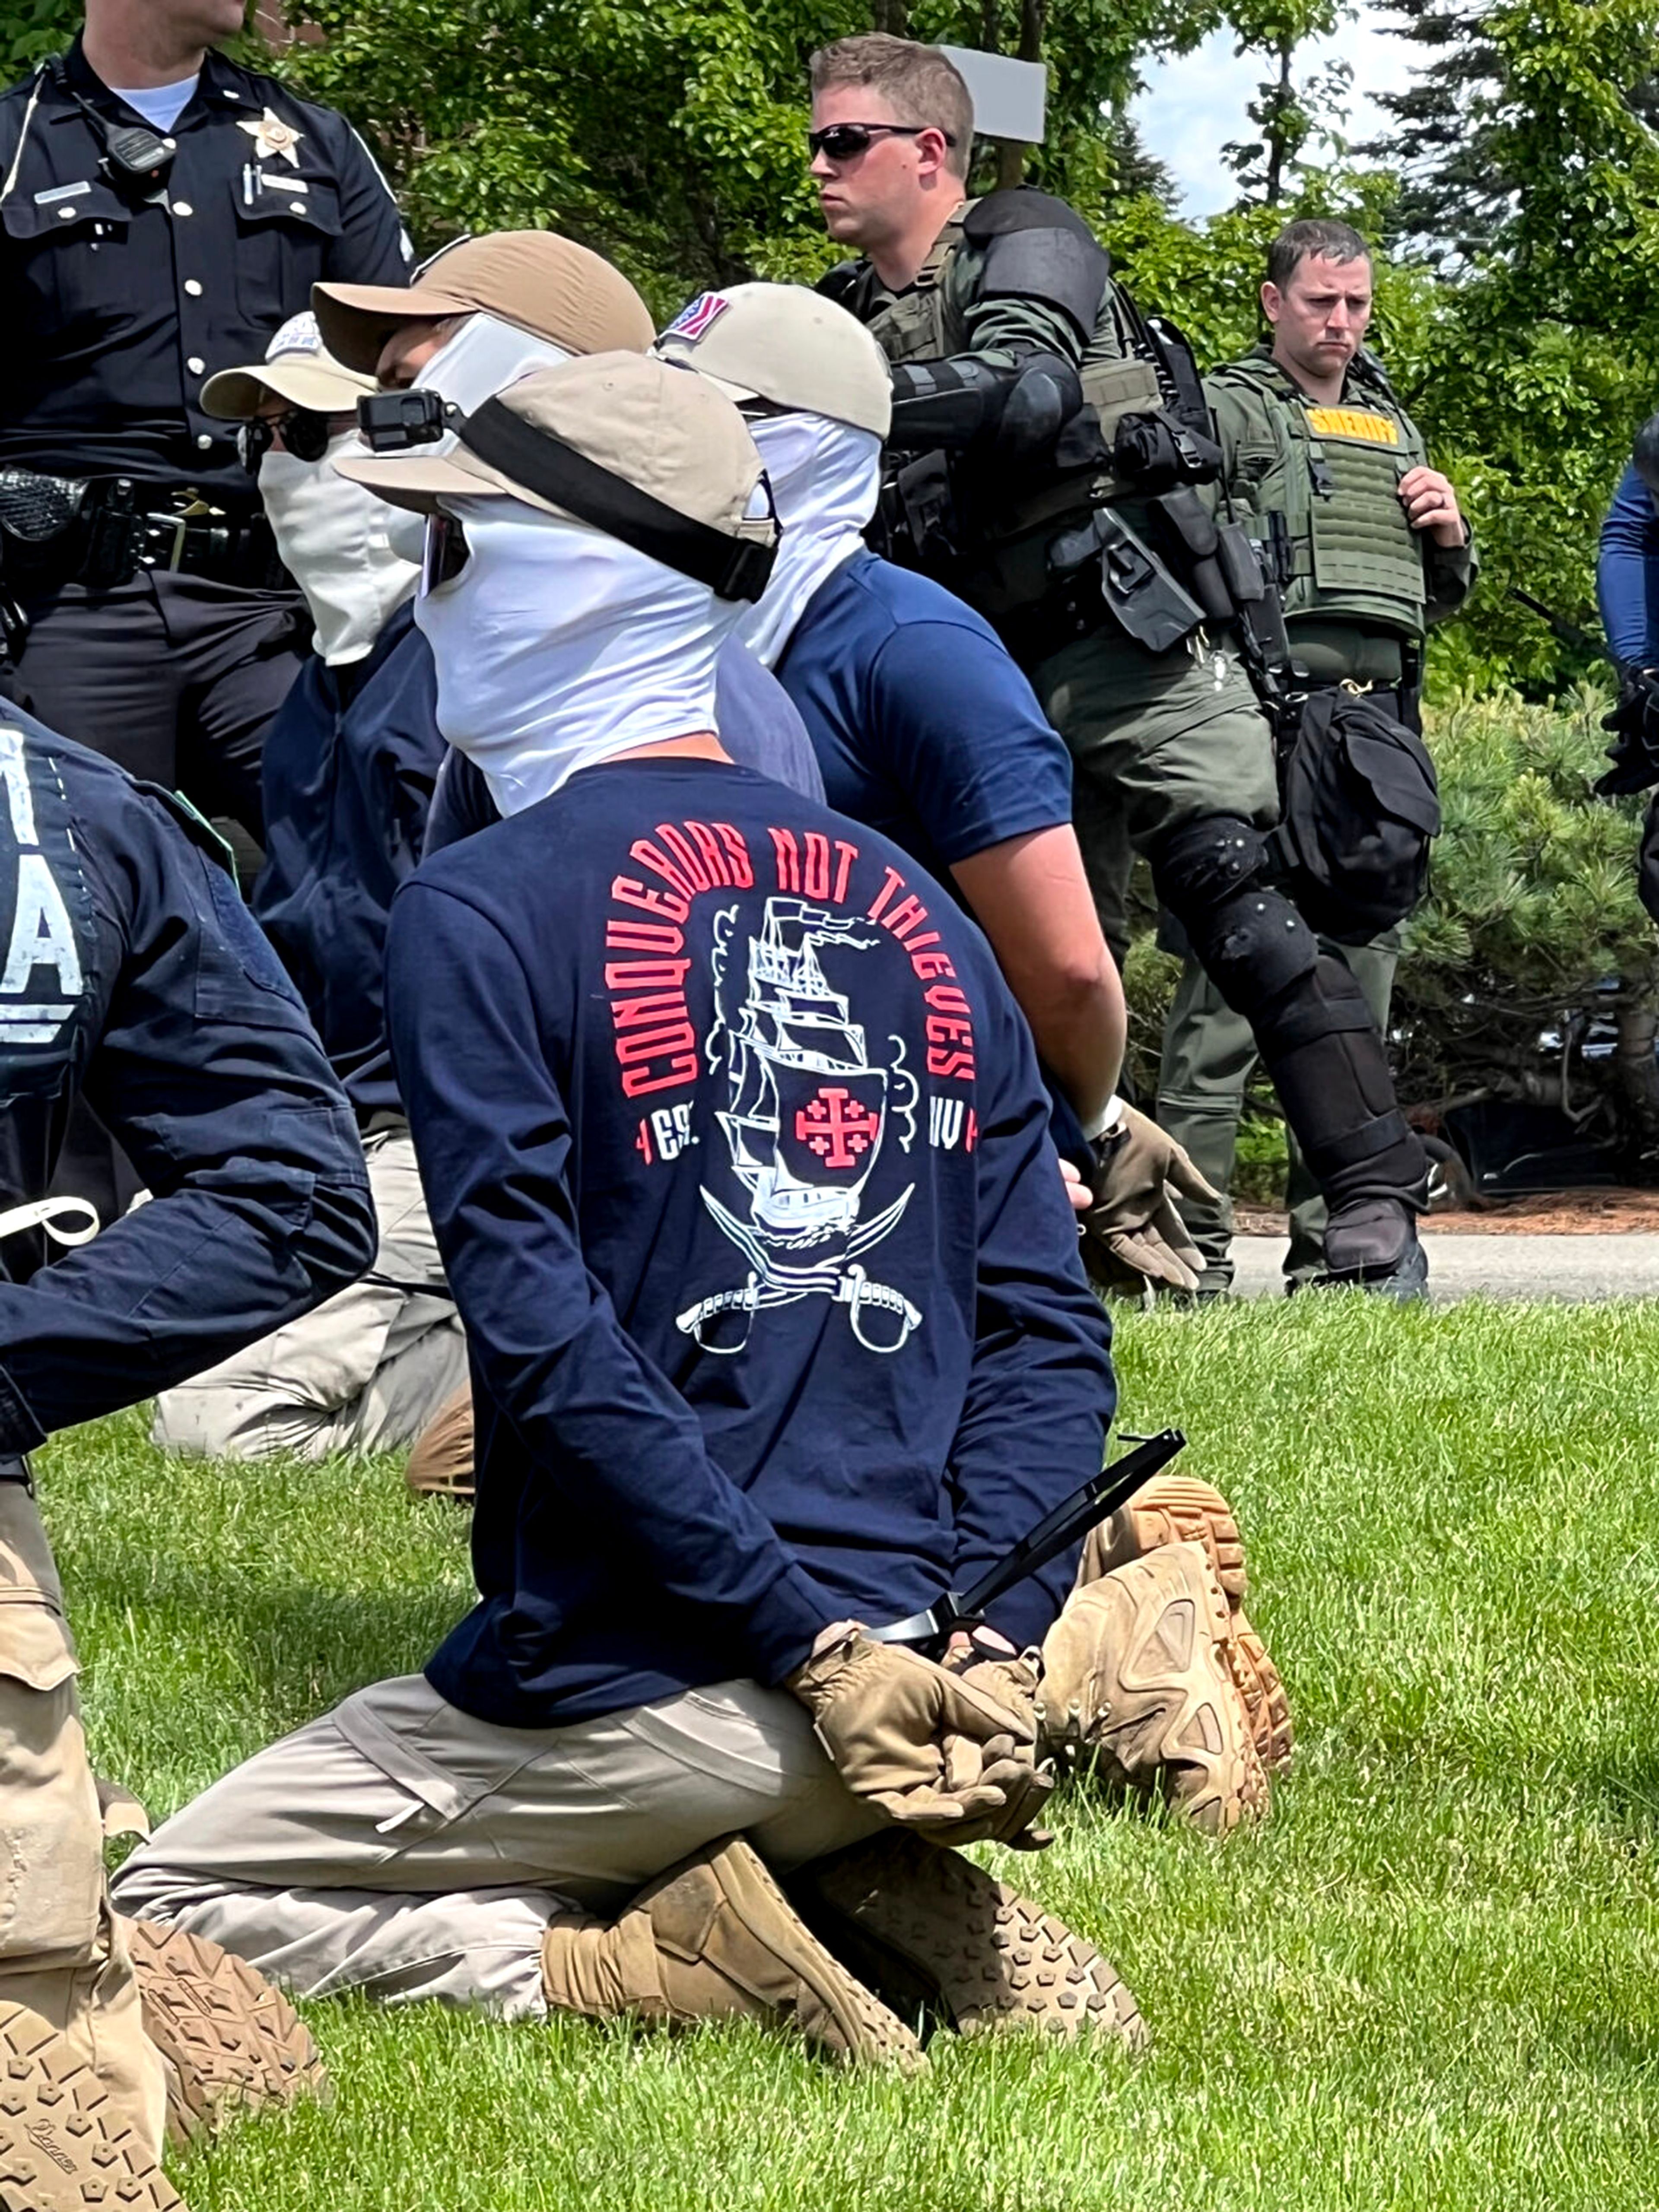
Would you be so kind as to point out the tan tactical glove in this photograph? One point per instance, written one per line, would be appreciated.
(1134, 1237)
(1009, 1679)
(936, 1754)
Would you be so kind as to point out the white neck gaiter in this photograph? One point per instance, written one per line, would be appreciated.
(826, 477)
(484, 357)
(558, 646)
(336, 541)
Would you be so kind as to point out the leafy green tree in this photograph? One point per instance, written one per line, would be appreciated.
(32, 29)
(1289, 111)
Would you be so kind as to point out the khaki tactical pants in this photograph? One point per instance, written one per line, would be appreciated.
(365, 1371)
(61, 1951)
(400, 1846)
(1209, 1053)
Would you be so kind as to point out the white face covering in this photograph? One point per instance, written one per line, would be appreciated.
(557, 647)
(483, 358)
(335, 538)
(825, 477)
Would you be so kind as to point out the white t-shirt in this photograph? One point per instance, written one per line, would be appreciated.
(161, 104)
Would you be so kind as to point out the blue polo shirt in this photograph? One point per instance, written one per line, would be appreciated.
(924, 727)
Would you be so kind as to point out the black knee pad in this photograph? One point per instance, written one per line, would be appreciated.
(1249, 937)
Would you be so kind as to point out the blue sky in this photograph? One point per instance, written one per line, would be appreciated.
(1193, 107)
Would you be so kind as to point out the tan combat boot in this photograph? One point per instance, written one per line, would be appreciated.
(715, 1938)
(227, 2038)
(931, 1932)
(441, 1463)
(66, 2143)
(1174, 1509)
(1135, 1679)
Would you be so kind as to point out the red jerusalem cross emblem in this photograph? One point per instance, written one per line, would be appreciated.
(835, 1127)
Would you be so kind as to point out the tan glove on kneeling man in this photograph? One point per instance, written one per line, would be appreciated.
(936, 1754)
(1133, 1237)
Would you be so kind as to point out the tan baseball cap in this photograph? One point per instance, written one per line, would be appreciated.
(782, 344)
(539, 283)
(644, 425)
(297, 368)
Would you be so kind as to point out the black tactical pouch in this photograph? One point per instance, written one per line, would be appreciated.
(1359, 808)
(62, 530)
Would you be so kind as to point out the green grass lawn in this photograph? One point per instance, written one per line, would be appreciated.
(1432, 1980)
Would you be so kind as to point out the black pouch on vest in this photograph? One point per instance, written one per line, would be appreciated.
(1359, 808)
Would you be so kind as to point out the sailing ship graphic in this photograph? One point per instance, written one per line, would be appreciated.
(809, 1113)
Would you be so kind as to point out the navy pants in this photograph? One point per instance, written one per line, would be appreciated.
(175, 678)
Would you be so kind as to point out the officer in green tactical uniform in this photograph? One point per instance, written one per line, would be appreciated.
(1061, 443)
(1324, 467)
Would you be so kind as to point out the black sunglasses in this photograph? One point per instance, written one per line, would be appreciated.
(845, 141)
(444, 552)
(305, 433)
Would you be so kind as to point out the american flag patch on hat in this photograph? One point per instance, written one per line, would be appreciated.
(694, 322)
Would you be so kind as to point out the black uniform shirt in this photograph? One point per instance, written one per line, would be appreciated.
(117, 314)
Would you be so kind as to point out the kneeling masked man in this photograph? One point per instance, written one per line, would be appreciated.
(738, 1158)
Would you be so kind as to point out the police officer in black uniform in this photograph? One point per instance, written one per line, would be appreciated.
(130, 971)
(163, 211)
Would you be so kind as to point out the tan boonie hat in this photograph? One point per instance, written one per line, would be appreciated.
(549, 286)
(297, 368)
(659, 459)
(782, 344)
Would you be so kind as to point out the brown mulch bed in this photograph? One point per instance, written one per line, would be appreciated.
(1609, 1212)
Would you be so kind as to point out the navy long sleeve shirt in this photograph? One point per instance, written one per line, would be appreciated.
(131, 973)
(1628, 574)
(739, 1161)
(348, 771)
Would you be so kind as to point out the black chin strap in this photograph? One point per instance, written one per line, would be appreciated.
(730, 567)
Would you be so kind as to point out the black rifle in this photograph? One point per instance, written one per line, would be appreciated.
(1098, 1500)
(1568, 632)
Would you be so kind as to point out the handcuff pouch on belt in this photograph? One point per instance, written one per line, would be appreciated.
(91, 530)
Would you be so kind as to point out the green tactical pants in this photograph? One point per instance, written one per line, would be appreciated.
(1156, 741)
(1208, 1057)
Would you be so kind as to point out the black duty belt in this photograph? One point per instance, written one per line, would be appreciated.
(1403, 700)
(104, 530)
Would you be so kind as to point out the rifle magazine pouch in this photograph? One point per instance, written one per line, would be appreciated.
(1360, 808)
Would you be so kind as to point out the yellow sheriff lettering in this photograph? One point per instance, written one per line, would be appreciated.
(1352, 422)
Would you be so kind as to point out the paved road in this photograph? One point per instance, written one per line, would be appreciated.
(1502, 1267)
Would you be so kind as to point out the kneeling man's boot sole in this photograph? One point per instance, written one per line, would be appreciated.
(1175, 1509)
(65, 2145)
(228, 2040)
(1135, 1681)
(931, 1931)
(715, 1938)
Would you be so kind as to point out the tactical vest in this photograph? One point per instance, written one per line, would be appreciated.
(1333, 473)
(921, 324)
